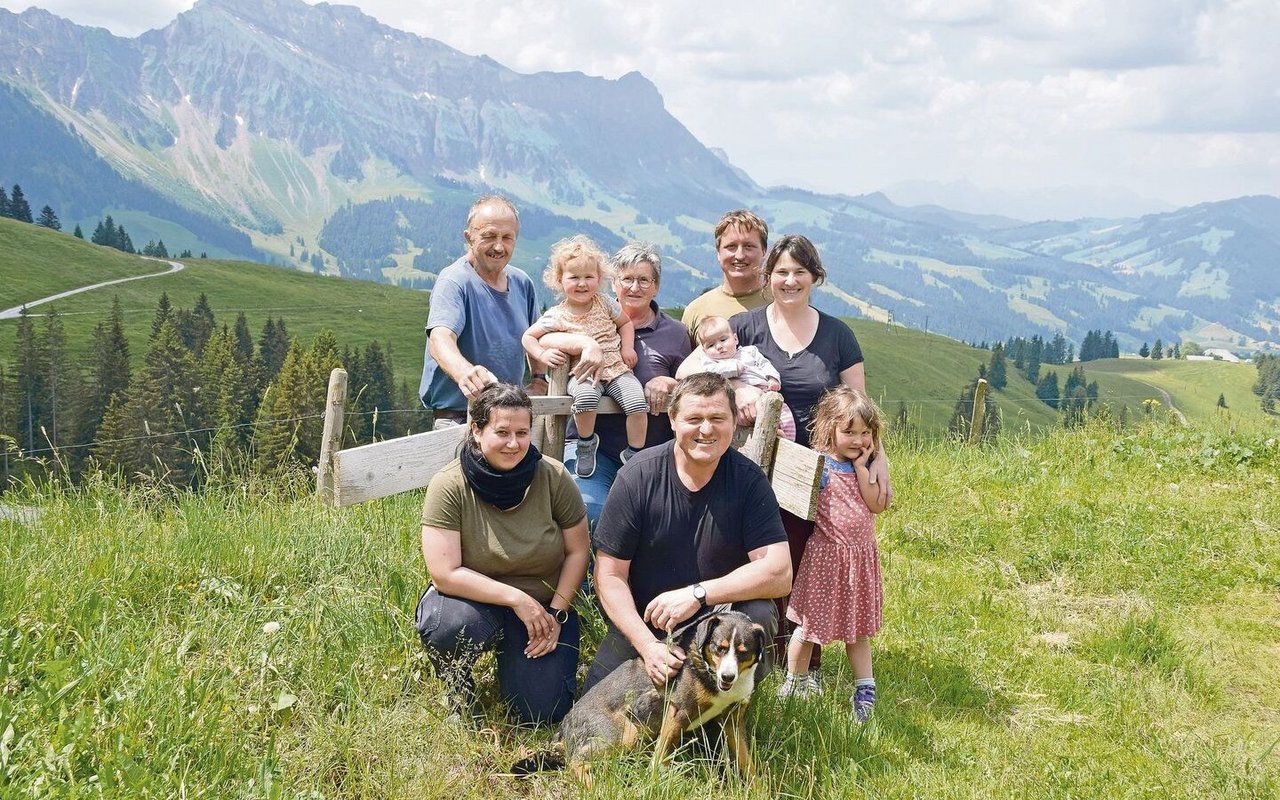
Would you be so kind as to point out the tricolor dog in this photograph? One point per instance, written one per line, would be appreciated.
(723, 651)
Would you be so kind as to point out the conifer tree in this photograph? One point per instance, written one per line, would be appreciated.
(1144, 351)
(226, 393)
(276, 429)
(1074, 404)
(1056, 352)
(203, 323)
(116, 447)
(1033, 364)
(106, 234)
(4, 202)
(48, 219)
(1157, 350)
(19, 208)
(109, 370)
(997, 374)
(164, 313)
(410, 415)
(123, 242)
(357, 425)
(59, 418)
(381, 389)
(1075, 407)
(290, 419)
(273, 346)
(29, 382)
(243, 339)
(165, 399)
(79, 234)
(1047, 389)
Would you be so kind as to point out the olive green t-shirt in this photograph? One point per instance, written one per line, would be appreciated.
(719, 303)
(521, 547)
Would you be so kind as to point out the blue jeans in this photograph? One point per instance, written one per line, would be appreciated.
(596, 488)
(455, 630)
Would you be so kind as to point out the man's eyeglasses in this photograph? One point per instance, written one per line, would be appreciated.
(642, 283)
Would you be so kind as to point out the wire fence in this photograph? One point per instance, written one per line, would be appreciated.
(888, 404)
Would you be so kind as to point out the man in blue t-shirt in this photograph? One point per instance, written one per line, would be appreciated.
(688, 525)
(479, 310)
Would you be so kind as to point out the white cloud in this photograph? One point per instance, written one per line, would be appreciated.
(1175, 99)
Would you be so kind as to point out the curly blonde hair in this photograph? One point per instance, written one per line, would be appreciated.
(566, 250)
(836, 408)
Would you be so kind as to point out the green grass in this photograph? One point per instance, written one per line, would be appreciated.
(927, 372)
(1086, 615)
(1193, 386)
(37, 262)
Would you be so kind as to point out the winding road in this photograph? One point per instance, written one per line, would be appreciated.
(11, 313)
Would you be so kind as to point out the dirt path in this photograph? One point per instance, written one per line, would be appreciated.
(11, 313)
(1167, 399)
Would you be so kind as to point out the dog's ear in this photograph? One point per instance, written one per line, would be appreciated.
(761, 641)
(701, 633)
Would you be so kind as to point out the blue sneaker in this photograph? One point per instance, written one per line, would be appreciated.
(863, 700)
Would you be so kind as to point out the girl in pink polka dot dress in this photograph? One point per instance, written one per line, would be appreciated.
(838, 595)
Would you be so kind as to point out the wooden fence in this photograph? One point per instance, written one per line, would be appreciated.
(382, 469)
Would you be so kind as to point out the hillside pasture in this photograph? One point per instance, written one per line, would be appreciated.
(37, 262)
(927, 372)
(1193, 386)
(358, 312)
(1084, 615)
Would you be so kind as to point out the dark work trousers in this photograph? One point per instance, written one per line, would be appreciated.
(615, 649)
(798, 532)
(455, 631)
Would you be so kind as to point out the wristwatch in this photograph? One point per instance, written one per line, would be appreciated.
(561, 614)
(700, 594)
(538, 376)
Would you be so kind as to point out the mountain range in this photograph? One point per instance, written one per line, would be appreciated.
(317, 137)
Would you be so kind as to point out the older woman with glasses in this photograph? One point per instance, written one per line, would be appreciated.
(661, 343)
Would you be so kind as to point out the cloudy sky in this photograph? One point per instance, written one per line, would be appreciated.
(1140, 103)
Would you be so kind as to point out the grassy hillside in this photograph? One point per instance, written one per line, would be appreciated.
(1193, 386)
(927, 372)
(40, 263)
(37, 262)
(1058, 624)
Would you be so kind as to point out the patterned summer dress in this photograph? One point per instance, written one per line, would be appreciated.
(837, 594)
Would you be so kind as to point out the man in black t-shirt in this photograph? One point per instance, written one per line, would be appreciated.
(687, 525)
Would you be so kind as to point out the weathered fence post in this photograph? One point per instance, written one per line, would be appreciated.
(979, 411)
(331, 438)
(553, 425)
(762, 439)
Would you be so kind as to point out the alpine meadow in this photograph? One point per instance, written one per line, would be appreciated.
(1071, 611)
(212, 222)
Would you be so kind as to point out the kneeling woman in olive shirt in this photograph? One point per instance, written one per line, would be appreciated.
(504, 535)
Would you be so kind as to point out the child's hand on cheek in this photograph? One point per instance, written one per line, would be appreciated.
(864, 457)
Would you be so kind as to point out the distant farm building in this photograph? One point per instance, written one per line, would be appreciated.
(1216, 354)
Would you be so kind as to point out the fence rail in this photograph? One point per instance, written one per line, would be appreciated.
(382, 469)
